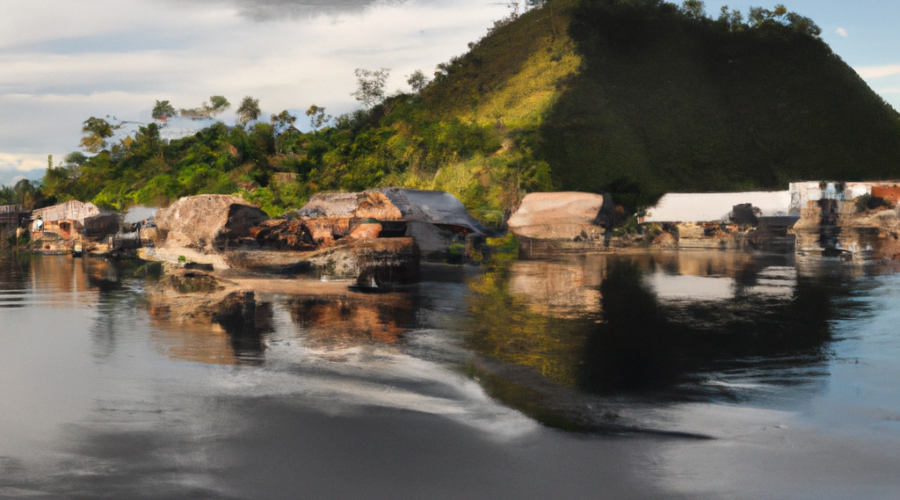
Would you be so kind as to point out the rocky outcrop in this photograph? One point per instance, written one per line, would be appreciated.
(284, 234)
(434, 218)
(369, 204)
(381, 260)
(207, 223)
(558, 216)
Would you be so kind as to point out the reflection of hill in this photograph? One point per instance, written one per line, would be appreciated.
(637, 341)
(340, 322)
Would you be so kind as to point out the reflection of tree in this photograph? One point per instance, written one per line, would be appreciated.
(647, 344)
(505, 327)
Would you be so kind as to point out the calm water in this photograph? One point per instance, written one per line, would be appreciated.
(691, 375)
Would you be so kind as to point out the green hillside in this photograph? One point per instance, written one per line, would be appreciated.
(634, 97)
(638, 98)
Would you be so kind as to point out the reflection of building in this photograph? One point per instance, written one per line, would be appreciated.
(835, 218)
(702, 276)
(74, 218)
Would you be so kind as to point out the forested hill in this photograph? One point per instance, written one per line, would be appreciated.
(635, 97)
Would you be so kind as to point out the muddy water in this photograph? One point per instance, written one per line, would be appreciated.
(691, 375)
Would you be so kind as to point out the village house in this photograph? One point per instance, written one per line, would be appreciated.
(71, 220)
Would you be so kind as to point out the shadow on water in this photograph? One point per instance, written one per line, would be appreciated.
(664, 328)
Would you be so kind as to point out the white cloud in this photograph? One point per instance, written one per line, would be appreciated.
(878, 71)
(842, 32)
(65, 61)
(23, 162)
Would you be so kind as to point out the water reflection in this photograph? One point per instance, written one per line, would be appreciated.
(209, 326)
(668, 327)
(333, 323)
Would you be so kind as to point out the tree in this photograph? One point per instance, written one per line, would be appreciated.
(317, 117)
(163, 109)
(694, 9)
(803, 24)
(219, 104)
(283, 121)
(25, 194)
(731, 20)
(418, 81)
(248, 110)
(207, 111)
(96, 131)
(370, 86)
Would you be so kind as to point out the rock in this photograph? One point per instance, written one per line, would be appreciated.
(369, 229)
(434, 218)
(208, 222)
(369, 204)
(558, 216)
(269, 261)
(196, 266)
(190, 282)
(284, 234)
(665, 240)
(388, 260)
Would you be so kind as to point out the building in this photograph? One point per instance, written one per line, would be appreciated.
(13, 215)
(72, 219)
(716, 207)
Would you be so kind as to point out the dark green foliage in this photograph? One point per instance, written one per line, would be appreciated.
(667, 104)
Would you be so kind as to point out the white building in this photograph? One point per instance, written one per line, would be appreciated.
(716, 207)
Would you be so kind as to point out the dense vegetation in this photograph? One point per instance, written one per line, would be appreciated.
(635, 97)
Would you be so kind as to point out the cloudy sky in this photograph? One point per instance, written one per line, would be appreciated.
(62, 61)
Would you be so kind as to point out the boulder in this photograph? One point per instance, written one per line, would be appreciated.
(558, 216)
(369, 204)
(284, 234)
(434, 218)
(208, 222)
(665, 240)
(368, 229)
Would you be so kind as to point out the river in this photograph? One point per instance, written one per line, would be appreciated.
(660, 375)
